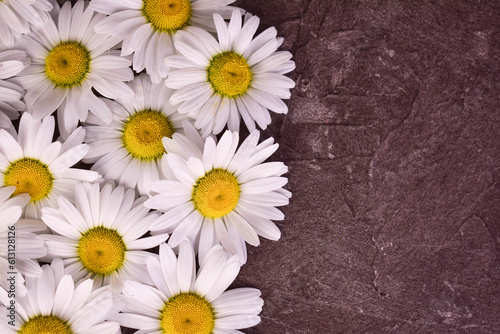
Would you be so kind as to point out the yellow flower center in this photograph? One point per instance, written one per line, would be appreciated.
(29, 176)
(45, 324)
(167, 15)
(187, 313)
(229, 74)
(216, 193)
(101, 250)
(67, 64)
(143, 132)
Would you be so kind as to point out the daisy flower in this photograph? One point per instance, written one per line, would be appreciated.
(54, 304)
(218, 82)
(11, 63)
(39, 167)
(226, 197)
(99, 237)
(68, 60)
(148, 26)
(18, 244)
(17, 16)
(185, 301)
(130, 149)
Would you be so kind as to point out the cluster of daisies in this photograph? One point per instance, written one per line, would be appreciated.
(150, 94)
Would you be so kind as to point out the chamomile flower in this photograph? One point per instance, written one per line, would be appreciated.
(184, 301)
(225, 197)
(148, 26)
(11, 63)
(19, 246)
(99, 237)
(130, 149)
(54, 304)
(219, 82)
(35, 165)
(68, 60)
(17, 16)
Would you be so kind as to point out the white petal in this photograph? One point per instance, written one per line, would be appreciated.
(226, 277)
(238, 321)
(186, 267)
(263, 185)
(63, 295)
(234, 26)
(9, 146)
(136, 321)
(210, 272)
(271, 102)
(242, 41)
(147, 243)
(222, 32)
(103, 328)
(45, 291)
(263, 226)
(49, 101)
(57, 223)
(168, 262)
(245, 230)
(191, 223)
(225, 149)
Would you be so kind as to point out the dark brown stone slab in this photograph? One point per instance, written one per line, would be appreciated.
(393, 145)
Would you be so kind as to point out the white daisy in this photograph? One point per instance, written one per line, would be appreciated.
(54, 304)
(130, 149)
(11, 63)
(68, 60)
(218, 81)
(17, 16)
(183, 301)
(19, 246)
(99, 238)
(148, 26)
(227, 196)
(39, 167)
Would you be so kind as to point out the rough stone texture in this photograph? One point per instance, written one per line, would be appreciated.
(393, 142)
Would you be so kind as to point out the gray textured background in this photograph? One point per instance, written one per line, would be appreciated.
(392, 141)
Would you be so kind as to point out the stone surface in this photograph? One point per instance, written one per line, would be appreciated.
(393, 145)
